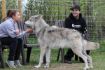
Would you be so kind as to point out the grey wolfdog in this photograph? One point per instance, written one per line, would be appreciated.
(56, 37)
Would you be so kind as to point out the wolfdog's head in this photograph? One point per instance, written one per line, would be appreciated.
(36, 22)
(33, 20)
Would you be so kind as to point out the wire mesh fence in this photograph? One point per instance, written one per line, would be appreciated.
(55, 12)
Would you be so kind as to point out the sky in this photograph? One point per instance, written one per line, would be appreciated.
(24, 2)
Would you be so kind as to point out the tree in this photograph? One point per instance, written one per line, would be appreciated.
(52, 10)
(3, 9)
(20, 6)
(0, 12)
(10, 4)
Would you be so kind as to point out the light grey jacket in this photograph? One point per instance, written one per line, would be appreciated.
(8, 29)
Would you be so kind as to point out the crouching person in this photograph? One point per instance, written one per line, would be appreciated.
(77, 22)
(10, 35)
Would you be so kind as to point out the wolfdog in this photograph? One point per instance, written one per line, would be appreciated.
(56, 37)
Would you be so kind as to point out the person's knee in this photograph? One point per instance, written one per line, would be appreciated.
(14, 40)
(20, 41)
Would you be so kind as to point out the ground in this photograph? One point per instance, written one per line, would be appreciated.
(98, 61)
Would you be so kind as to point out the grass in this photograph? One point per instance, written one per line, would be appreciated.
(98, 61)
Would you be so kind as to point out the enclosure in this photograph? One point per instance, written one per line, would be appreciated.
(55, 12)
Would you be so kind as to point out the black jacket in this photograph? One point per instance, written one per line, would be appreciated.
(73, 23)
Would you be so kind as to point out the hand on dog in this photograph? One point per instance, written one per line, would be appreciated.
(29, 30)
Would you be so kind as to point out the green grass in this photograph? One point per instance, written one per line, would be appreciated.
(98, 61)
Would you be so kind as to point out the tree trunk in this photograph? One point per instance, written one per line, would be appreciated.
(20, 7)
(3, 9)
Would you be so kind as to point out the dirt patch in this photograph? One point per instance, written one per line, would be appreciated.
(61, 66)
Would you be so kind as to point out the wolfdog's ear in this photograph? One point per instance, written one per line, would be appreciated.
(38, 16)
(41, 16)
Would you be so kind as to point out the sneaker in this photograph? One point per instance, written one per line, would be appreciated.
(17, 63)
(11, 64)
(67, 61)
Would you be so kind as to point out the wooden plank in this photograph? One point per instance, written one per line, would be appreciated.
(32, 45)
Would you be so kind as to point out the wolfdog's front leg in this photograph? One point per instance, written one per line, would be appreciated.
(42, 52)
(48, 53)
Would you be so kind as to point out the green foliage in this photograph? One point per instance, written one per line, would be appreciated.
(52, 10)
(10, 4)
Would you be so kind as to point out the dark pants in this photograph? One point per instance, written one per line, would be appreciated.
(15, 45)
(70, 54)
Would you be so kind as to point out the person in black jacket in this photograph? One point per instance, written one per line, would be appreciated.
(77, 22)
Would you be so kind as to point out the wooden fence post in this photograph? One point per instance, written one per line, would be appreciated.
(3, 9)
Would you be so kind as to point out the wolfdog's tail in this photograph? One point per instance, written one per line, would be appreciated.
(90, 45)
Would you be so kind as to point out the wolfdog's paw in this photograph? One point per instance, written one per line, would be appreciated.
(38, 66)
(46, 66)
(86, 68)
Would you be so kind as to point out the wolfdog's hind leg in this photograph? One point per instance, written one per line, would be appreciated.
(90, 61)
(80, 54)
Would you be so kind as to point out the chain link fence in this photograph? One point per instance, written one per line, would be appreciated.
(55, 12)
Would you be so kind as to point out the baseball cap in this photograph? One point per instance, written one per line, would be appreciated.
(75, 7)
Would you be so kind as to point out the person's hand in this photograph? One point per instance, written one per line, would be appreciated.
(17, 31)
(29, 30)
